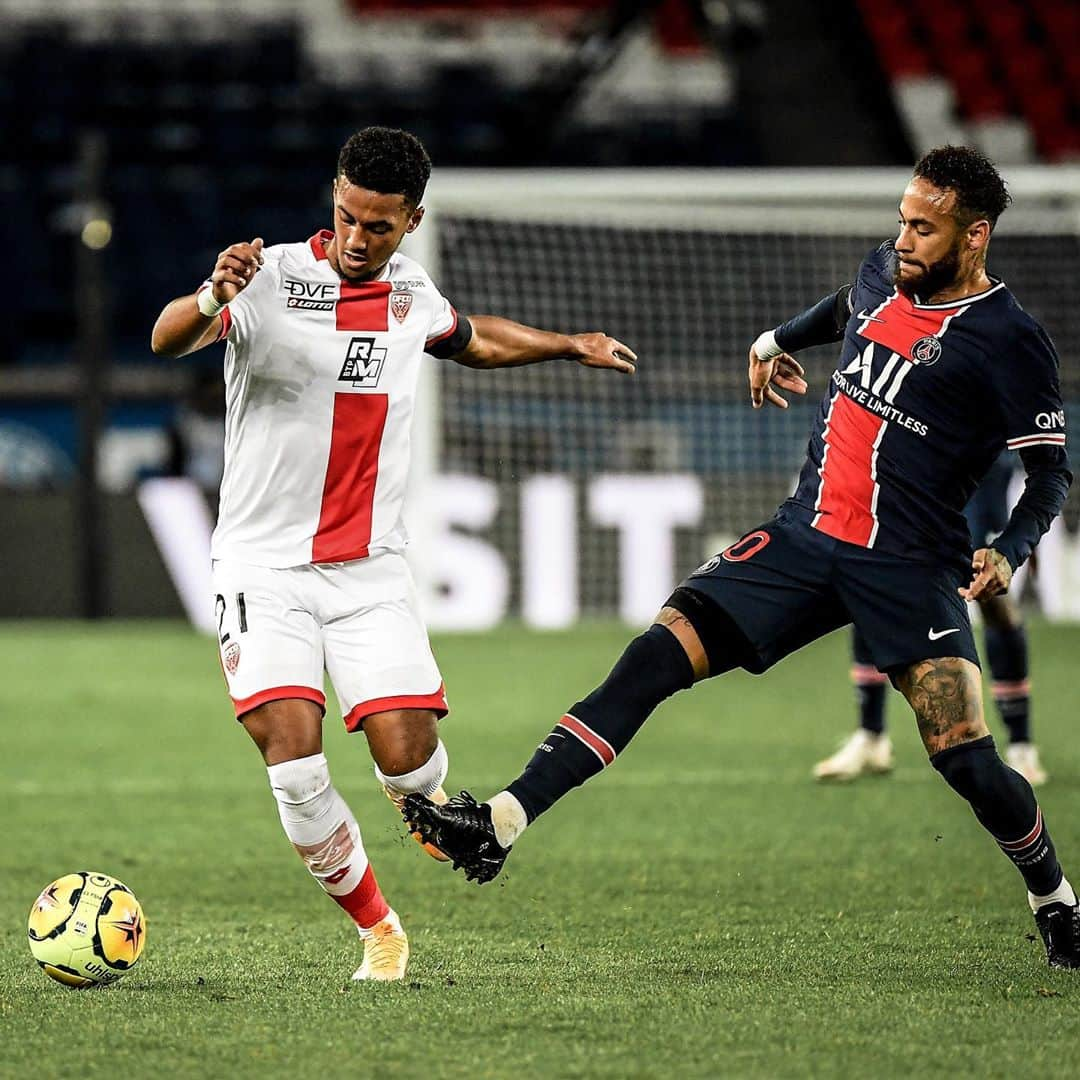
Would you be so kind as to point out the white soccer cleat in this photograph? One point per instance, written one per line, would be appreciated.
(862, 753)
(1024, 758)
(438, 796)
(386, 953)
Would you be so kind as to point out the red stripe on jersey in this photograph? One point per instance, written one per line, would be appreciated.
(596, 743)
(847, 500)
(226, 324)
(1035, 440)
(318, 243)
(898, 324)
(363, 307)
(352, 469)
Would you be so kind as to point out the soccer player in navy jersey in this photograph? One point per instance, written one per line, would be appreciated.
(868, 750)
(940, 370)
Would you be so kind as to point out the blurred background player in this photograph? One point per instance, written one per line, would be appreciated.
(325, 342)
(869, 749)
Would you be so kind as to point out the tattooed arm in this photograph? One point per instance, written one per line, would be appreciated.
(946, 696)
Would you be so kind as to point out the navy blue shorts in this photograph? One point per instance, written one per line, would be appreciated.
(786, 584)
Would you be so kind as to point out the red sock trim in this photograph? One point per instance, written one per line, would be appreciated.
(365, 904)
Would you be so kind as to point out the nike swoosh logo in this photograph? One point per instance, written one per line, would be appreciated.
(935, 634)
(864, 314)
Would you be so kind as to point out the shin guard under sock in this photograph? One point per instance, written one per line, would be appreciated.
(587, 739)
(1006, 807)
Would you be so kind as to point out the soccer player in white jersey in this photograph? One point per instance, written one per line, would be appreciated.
(326, 338)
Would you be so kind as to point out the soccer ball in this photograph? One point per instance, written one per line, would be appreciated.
(86, 929)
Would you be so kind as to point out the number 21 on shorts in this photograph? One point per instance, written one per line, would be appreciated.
(230, 649)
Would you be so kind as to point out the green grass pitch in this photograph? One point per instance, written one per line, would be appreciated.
(703, 909)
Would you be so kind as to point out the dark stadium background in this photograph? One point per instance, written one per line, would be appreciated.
(184, 127)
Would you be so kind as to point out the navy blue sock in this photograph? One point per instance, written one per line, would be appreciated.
(653, 667)
(1007, 651)
(870, 685)
(1006, 807)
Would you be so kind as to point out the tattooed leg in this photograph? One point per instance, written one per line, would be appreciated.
(946, 695)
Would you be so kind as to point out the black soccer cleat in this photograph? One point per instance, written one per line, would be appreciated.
(460, 828)
(1059, 925)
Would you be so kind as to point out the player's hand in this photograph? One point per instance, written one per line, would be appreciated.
(992, 576)
(599, 350)
(782, 370)
(235, 269)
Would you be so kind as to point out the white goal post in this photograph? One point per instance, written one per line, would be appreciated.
(554, 493)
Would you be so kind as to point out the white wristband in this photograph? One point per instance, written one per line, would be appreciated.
(206, 303)
(766, 347)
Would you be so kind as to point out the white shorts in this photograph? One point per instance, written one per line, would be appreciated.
(280, 629)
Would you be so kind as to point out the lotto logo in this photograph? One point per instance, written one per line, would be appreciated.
(310, 295)
(363, 363)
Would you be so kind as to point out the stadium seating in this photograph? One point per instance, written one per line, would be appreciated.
(216, 126)
(1001, 60)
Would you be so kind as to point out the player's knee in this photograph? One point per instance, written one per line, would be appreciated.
(424, 777)
(724, 644)
(285, 730)
(297, 782)
(401, 740)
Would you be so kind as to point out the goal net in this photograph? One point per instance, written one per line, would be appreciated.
(554, 492)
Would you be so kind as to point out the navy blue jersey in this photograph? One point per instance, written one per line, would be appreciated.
(924, 399)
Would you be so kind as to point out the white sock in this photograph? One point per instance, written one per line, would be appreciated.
(390, 917)
(425, 780)
(1063, 894)
(508, 816)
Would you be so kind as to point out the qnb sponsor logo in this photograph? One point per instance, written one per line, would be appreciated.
(310, 295)
(363, 363)
(1051, 421)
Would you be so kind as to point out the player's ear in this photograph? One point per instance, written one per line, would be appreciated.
(414, 221)
(978, 234)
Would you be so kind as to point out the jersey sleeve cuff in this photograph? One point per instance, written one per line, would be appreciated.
(1040, 438)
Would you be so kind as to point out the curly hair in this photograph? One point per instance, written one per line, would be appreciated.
(980, 190)
(387, 160)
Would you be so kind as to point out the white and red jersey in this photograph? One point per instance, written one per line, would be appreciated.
(320, 380)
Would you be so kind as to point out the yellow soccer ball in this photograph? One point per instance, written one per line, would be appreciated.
(86, 929)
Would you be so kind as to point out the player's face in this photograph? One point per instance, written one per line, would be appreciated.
(368, 228)
(930, 245)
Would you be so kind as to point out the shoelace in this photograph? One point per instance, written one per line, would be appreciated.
(384, 948)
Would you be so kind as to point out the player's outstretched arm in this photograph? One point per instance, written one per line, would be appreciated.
(498, 342)
(768, 371)
(192, 322)
(771, 362)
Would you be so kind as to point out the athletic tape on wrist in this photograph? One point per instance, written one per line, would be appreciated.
(207, 304)
(766, 347)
